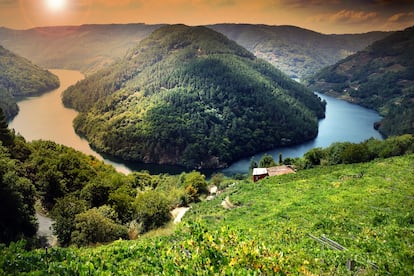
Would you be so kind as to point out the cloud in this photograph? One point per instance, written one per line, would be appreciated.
(346, 17)
(402, 17)
(306, 3)
(351, 16)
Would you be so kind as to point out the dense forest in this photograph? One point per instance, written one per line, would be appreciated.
(20, 78)
(89, 201)
(297, 52)
(192, 97)
(381, 77)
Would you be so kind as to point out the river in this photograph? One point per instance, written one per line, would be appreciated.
(46, 118)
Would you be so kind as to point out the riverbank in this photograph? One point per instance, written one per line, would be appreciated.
(343, 122)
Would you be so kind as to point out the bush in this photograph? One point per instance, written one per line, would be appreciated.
(152, 210)
(195, 185)
(267, 161)
(92, 227)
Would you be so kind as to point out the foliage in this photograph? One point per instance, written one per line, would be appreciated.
(189, 96)
(347, 153)
(268, 233)
(151, 209)
(64, 213)
(17, 193)
(17, 218)
(20, 78)
(380, 77)
(267, 161)
(96, 226)
(195, 185)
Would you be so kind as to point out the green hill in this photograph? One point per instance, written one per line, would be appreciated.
(380, 77)
(295, 51)
(20, 78)
(280, 226)
(190, 96)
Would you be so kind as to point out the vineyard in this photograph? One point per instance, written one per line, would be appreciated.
(336, 220)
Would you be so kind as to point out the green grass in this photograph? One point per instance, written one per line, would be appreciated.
(367, 208)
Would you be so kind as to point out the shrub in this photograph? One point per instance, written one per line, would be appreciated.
(151, 209)
(93, 227)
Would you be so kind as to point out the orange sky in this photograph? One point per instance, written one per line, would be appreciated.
(326, 16)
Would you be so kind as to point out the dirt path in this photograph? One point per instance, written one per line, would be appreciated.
(178, 213)
(45, 229)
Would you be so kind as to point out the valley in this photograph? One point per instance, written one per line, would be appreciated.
(343, 122)
(143, 111)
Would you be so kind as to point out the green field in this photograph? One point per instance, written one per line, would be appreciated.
(278, 226)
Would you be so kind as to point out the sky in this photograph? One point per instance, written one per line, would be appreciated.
(325, 16)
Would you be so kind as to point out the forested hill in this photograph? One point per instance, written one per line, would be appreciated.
(380, 77)
(19, 78)
(297, 52)
(192, 97)
(87, 48)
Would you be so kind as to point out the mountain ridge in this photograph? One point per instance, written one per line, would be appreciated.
(276, 41)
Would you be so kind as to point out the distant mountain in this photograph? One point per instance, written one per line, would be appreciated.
(297, 52)
(87, 48)
(19, 78)
(380, 77)
(190, 96)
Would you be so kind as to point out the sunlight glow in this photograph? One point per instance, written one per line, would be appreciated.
(56, 5)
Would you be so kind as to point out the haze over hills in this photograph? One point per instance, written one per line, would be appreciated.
(19, 78)
(87, 48)
(190, 96)
(297, 52)
(380, 77)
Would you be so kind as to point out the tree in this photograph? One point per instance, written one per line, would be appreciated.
(64, 213)
(355, 153)
(195, 185)
(267, 161)
(151, 209)
(6, 137)
(17, 216)
(252, 165)
(92, 227)
(315, 156)
(123, 205)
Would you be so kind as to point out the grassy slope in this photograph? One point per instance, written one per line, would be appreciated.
(372, 216)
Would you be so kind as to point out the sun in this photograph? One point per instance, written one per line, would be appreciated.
(56, 5)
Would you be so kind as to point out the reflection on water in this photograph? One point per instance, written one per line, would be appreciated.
(344, 122)
(46, 118)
